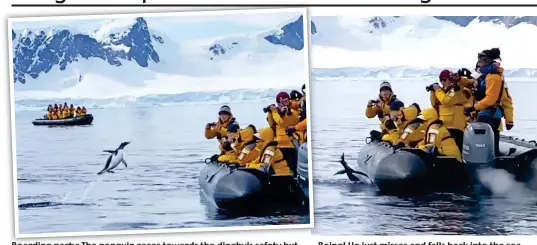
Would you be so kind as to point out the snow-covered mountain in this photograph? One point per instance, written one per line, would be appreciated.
(411, 45)
(128, 54)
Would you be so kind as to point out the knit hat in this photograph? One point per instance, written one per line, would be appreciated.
(282, 95)
(224, 109)
(396, 105)
(445, 74)
(385, 84)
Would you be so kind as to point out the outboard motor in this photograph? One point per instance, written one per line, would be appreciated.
(478, 152)
(478, 147)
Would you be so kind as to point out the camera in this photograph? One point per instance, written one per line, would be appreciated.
(429, 88)
(267, 109)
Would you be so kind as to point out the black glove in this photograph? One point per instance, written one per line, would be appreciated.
(227, 146)
(375, 135)
(468, 111)
(214, 158)
(390, 124)
(464, 72)
(290, 131)
(209, 125)
(509, 126)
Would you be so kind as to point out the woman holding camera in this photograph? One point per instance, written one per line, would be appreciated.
(219, 129)
(381, 106)
(450, 100)
(284, 117)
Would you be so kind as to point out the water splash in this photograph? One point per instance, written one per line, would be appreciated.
(89, 188)
(503, 184)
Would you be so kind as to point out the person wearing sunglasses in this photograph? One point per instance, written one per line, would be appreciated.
(284, 117)
(450, 100)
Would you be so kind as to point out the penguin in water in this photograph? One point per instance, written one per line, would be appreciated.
(116, 157)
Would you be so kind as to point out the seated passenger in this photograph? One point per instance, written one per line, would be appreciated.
(84, 111)
(65, 113)
(237, 140)
(49, 115)
(78, 111)
(396, 120)
(271, 160)
(55, 115)
(414, 132)
(72, 111)
(439, 141)
(250, 153)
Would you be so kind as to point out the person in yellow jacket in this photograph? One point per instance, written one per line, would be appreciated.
(65, 113)
(400, 116)
(380, 107)
(272, 161)
(489, 93)
(237, 140)
(55, 115)
(299, 131)
(219, 129)
(450, 100)
(250, 153)
(506, 99)
(296, 98)
(49, 114)
(439, 141)
(285, 117)
(72, 111)
(414, 132)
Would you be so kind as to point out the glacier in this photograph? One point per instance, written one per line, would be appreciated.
(151, 100)
(419, 46)
(127, 62)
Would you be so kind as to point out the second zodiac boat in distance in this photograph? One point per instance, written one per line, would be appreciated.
(75, 121)
(406, 170)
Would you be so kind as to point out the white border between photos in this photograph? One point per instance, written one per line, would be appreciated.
(305, 50)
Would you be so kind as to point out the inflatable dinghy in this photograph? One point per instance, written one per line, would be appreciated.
(413, 170)
(75, 121)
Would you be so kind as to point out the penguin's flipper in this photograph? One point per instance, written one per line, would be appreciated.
(110, 171)
(110, 151)
(106, 166)
(124, 162)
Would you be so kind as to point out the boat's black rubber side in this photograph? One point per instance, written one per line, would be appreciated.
(239, 188)
(302, 170)
(76, 121)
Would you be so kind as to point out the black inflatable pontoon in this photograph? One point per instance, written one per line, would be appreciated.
(413, 170)
(76, 121)
(302, 170)
(230, 188)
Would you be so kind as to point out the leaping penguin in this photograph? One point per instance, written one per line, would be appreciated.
(349, 171)
(114, 159)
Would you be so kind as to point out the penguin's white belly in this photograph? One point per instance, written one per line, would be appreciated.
(116, 159)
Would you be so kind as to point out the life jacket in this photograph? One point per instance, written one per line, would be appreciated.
(495, 111)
